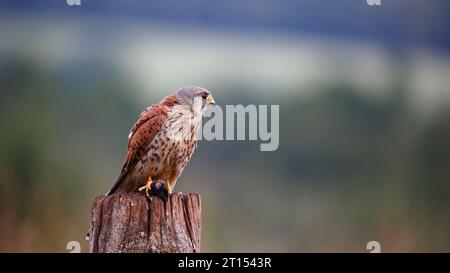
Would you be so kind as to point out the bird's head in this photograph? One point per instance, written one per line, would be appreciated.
(197, 98)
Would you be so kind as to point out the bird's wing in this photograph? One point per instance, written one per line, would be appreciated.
(141, 135)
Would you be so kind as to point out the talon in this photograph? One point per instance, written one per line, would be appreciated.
(147, 186)
(169, 188)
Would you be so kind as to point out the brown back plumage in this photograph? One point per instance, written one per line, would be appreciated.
(141, 135)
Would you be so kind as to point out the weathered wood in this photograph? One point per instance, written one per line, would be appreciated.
(131, 223)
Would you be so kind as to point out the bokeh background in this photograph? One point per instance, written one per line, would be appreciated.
(364, 95)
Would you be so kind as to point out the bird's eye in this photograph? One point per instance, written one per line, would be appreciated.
(204, 96)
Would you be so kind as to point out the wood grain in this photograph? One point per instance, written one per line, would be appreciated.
(129, 222)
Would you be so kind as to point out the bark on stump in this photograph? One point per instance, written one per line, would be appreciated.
(131, 223)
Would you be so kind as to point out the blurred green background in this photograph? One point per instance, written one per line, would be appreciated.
(364, 118)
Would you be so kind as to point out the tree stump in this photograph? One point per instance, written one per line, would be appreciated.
(130, 222)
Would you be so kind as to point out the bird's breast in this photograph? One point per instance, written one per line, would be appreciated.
(173, 146)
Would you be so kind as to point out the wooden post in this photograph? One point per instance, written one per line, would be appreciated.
(131, 223)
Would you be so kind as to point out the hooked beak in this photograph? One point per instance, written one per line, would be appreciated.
(210, 100)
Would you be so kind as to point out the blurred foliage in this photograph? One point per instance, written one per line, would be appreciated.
(349, 169)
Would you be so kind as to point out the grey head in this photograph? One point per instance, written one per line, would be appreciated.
(190, 95)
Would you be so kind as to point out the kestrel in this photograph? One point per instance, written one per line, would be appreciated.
(162, 141)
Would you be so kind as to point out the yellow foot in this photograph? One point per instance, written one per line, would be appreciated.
(147, 186)
(169, 188)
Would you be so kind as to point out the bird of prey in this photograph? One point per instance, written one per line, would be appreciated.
(162, 141)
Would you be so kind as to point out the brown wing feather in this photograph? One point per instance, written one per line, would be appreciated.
(141, 135)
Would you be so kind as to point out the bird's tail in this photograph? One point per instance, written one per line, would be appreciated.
(120, 184)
